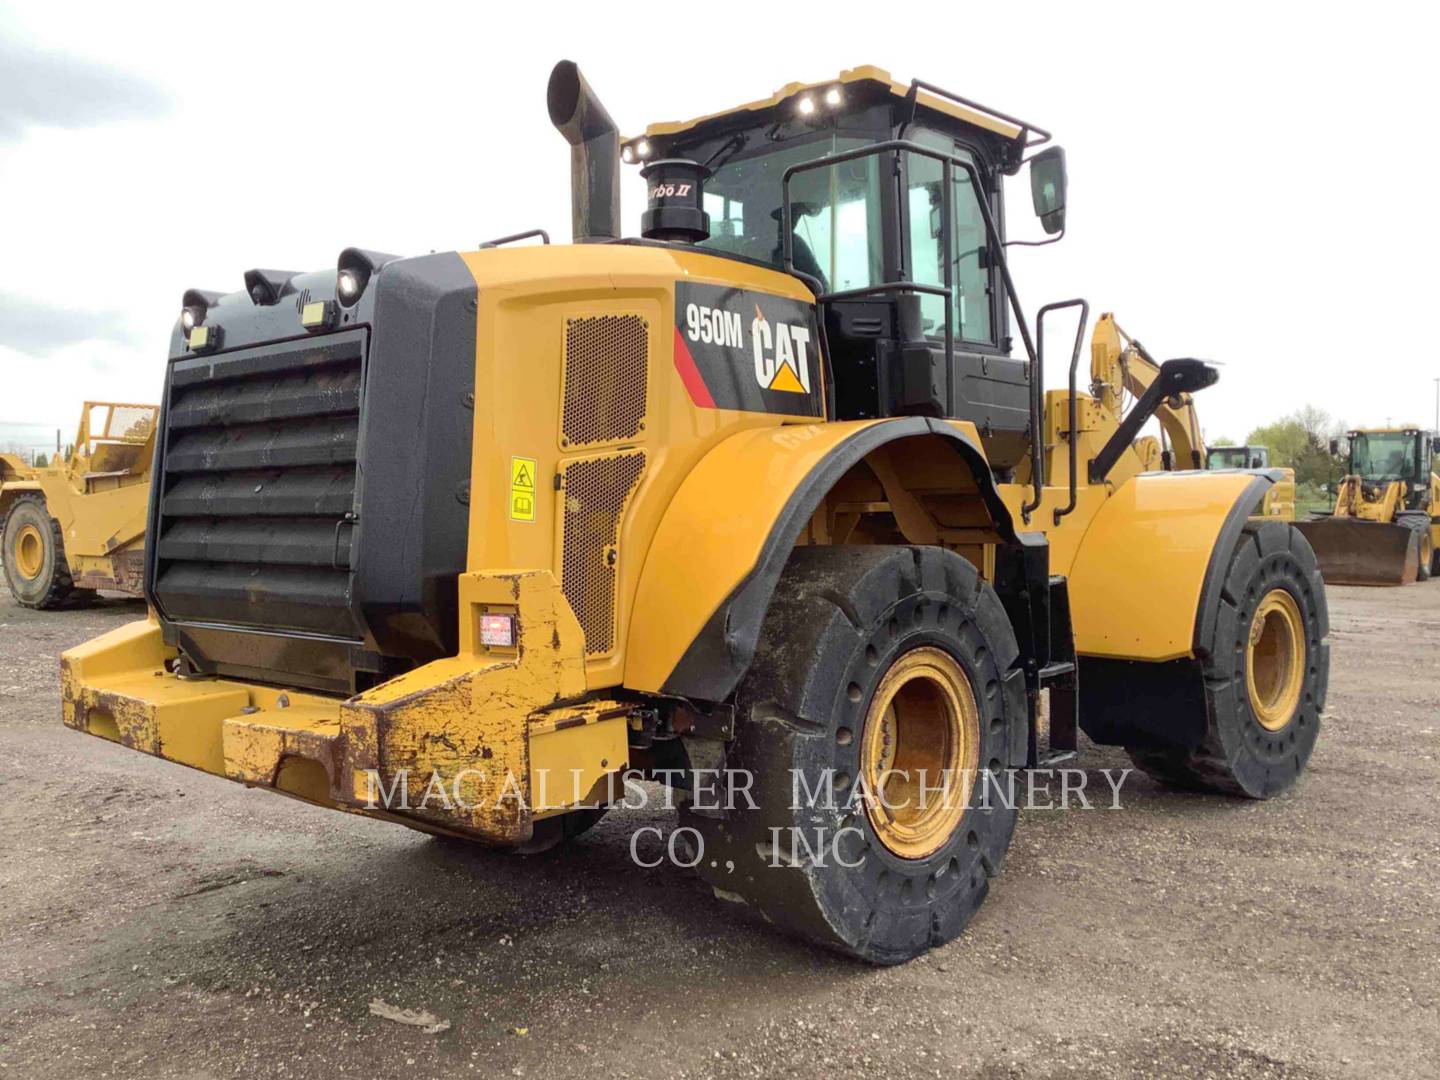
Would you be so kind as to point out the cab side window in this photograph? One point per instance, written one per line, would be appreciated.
(969, 247)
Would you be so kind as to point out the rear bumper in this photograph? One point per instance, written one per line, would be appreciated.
(471, 744)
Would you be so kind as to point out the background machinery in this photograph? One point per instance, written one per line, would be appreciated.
(1383, 530)
(13, 467)
(76, 526)
(1280, 500)
(761, 500)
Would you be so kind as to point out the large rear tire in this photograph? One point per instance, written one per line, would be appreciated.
(1266, 667)
(34, 552)
(879, 669)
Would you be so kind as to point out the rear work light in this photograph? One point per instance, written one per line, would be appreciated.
(497, 630)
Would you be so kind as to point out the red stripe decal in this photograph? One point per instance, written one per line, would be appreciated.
(690, 374)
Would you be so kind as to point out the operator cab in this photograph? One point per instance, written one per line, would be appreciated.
(1387, 455)
(877, 194)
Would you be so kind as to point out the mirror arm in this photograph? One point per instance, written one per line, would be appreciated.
(911, 100)
(1036, 243)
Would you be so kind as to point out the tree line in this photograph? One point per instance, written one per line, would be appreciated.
(1301, 441)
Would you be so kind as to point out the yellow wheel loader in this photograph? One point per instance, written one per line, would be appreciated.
(762, 504)
(1384, 529)
(73, 527)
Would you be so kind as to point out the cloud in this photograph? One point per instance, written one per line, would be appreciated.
(35, 328)
(49, 89)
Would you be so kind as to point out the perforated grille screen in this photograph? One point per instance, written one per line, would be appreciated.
(130, 423)
(597, 491)
(605, 379)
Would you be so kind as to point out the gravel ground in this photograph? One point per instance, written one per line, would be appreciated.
(160, 922)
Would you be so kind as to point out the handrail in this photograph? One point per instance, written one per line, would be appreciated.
(526, 235)
(826, 367)
(949, 163)
(1084, 306)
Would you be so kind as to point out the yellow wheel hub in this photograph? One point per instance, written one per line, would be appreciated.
(1275, 660)
(29, 552)
(919, 753)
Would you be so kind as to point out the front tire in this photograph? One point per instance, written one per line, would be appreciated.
(34, 552)
(1265, 668)
(882, 671)
(1419, 520)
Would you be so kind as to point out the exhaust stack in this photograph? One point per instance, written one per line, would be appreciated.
(594, 153)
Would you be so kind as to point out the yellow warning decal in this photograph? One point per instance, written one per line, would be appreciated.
(522, 489)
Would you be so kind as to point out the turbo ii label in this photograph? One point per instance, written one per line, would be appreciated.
(740, 349)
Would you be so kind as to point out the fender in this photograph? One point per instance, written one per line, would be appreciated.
(715, 559)
(1147, 573)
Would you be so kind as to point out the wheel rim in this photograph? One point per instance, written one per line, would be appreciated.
(1275, 670)
(919, 753)
(29, 552)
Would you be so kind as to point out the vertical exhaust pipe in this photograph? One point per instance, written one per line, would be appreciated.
(594, 153)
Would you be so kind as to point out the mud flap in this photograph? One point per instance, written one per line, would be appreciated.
(1354, 552)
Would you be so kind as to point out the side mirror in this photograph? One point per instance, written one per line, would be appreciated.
(1047, 188)
(1334, 447)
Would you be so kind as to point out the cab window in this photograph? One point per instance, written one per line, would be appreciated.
(968, 255)
(838, 235)
(1385, 456)
(1227, 457)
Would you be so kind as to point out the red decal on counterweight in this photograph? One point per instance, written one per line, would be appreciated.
(690, 374)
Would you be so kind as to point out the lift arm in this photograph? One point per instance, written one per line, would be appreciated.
(1119, 364)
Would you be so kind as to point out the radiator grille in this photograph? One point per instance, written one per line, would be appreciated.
(257, 500)
(596, 491)
(605, 379)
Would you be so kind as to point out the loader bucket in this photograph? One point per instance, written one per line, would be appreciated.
(1352, 552)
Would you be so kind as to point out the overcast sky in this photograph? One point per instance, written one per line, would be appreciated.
(1249, 184)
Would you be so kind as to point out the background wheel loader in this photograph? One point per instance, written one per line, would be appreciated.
(73, 527)
(1280, 500)
(759, 504)
(1384, 529)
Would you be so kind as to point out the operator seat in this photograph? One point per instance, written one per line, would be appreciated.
(804, 259)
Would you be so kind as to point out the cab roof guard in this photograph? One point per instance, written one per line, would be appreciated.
(1027, 129)
(1012, 129)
